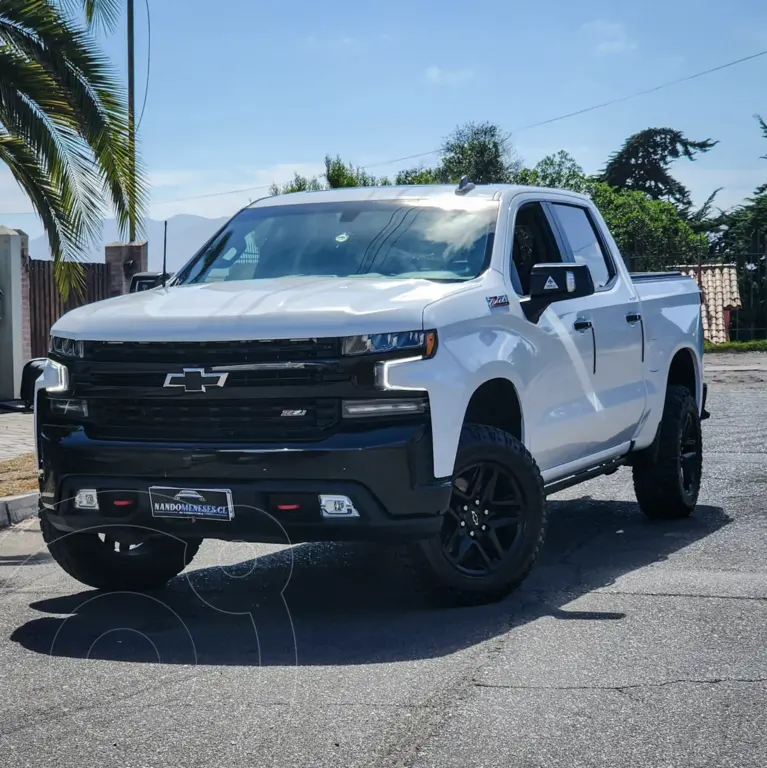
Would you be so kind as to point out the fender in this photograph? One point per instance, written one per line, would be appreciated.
(701, 391)
(450, 381)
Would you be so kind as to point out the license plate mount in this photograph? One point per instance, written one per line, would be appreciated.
(192, 503)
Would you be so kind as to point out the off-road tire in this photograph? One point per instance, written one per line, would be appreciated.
(658, 482)
(86, 558)
(424, 563)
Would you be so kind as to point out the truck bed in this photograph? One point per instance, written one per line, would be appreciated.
(671, 307)
(646, 277)
(666, 289)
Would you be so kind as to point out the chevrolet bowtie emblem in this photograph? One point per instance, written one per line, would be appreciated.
(195, 380)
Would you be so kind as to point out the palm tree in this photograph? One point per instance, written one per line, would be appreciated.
(64, 125)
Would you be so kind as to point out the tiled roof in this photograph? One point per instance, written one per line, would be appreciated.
(719, 284)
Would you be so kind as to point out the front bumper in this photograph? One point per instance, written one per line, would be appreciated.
(387, 473)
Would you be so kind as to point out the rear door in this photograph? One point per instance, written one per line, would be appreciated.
(561, 421)
(615, 313)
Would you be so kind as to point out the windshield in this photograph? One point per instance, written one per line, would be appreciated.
(343, 239)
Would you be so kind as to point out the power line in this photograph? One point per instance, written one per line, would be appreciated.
(548, 121)
(602, 105)
(148, 60)
(645, 92)
(215, 194)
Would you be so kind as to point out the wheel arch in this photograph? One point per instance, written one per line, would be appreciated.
(684, 371)
(483, 406)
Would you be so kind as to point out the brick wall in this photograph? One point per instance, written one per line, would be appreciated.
(125, 259)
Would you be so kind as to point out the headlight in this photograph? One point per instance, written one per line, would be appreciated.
(55, 377)
(66, 347)
(423, 343)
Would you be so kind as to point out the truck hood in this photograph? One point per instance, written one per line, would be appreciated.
(288, 307)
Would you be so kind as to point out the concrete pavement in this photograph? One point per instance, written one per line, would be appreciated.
(16, 434)
(633, 643)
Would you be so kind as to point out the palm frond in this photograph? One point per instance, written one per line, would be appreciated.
(31, 109)
(87, 79)
(53, 209)
(101, 14)
(64, 128)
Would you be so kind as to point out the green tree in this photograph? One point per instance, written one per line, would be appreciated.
(763, 127)
(419, 175)
(64, 126)
(559, 170)
(298, 183)
(337, 174)
(340, 174)
(651, 234)
(644, 160)
(760, 190)
(480, 151)
(743, 229)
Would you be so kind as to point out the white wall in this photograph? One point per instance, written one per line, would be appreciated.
(11, 331)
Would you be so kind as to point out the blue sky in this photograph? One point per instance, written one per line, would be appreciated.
(244, 92)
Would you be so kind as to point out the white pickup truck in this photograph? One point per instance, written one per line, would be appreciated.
(419, 364)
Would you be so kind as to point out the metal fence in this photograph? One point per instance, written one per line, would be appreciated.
(46, 305)
(748, 321)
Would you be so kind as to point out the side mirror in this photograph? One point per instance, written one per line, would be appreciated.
(144, 281)
(555, 282)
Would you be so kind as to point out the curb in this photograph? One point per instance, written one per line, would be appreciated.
(14, 509)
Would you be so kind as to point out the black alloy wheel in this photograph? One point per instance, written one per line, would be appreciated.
(493, 530)
(690, 445)
(667, 475)
(485, 521)
(102, 561)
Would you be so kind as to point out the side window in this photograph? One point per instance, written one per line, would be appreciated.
(534, 243)
(578, 229)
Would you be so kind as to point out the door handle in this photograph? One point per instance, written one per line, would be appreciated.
(581, 324)
(633, 317)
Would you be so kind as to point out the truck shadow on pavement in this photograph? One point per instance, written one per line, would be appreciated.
(346, 605)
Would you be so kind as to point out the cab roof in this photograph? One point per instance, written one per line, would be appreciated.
(410, 191)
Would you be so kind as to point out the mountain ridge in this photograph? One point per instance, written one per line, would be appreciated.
(186, 234)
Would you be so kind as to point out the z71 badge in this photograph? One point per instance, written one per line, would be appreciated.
(497, 301)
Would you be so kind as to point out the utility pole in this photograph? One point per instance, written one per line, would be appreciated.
(131, 126)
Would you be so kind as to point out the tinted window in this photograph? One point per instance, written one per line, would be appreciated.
(583, 241)
(534, 243)
(381, 238)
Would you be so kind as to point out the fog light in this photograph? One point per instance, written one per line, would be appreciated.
(69, 407)
(87, 498)
(337, 506)
(353, 409)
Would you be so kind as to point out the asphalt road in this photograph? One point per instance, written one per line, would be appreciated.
(633, 643)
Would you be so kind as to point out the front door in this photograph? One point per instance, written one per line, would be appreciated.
(560, 405)
(615, 314)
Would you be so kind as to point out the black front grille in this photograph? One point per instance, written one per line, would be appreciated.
(190, 353)
(220, 420)
(148, 377)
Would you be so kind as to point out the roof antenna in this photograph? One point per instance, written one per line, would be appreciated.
(464, 185)
(165, 256)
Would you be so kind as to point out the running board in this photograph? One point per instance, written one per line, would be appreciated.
(587, 474)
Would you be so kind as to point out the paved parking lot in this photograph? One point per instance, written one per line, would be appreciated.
(16, 434)
(634, 643)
